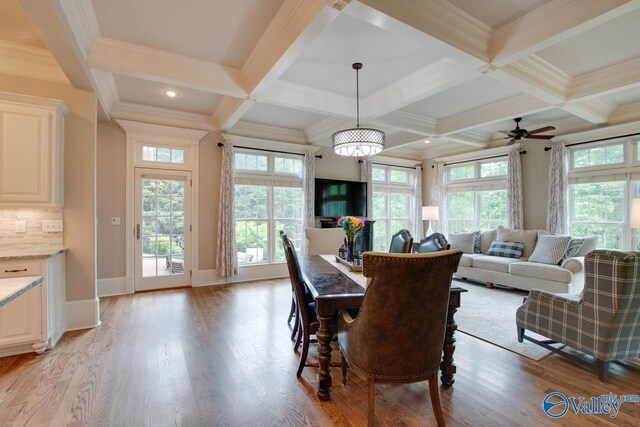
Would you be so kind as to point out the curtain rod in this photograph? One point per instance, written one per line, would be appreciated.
(597, 140)
(394, 166)
(220, 144)
(475, 160)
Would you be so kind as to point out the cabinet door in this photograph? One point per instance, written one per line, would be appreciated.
(25, 157)
(20, 319)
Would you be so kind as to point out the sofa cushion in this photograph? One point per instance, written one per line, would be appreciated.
(466, 242)
(550, 249)
(528, 237)
(541, 271)
(572, 249)
(493, 263)
(588, 245)
(506, 249)
(467, 259)
(486, 238)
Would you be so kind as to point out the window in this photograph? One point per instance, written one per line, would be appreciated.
(392, 203)
(602, 181)
(477, 196)
(268, 198)
(152, 153)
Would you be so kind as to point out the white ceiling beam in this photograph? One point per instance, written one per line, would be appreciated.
(626, 113)
(552, 23)
(162, 116)
(401, 139)
(594, 110)
(142, 62)
(427, 21)
(509, 108)
(431, 79)
(296, 24)
(408, 122)
(307, 98)
(261, 131)
(614, 78)
(325, 128)
(472, 137)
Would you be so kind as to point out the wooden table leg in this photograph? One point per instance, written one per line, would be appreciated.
(447, 368)
(324, 335)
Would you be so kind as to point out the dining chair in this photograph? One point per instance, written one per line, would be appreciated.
(306, 315)
(294, 307)
(433, 243)
(401, 242)
(398, 334)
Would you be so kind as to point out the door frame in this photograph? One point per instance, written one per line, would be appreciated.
(140, 174)
(137, 135)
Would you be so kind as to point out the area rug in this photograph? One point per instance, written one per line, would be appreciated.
(490, 315)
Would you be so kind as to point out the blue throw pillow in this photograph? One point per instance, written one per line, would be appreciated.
(506, 249)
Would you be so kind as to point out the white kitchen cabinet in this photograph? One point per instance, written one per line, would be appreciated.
(31, 151)
(34, 321)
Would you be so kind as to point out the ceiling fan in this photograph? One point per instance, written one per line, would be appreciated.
(517, 134)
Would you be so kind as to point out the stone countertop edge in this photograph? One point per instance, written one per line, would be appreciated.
(30, 254)
(12, 287)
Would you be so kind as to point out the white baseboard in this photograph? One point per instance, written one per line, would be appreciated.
(245, 274)
(83, 314)
(112, 286)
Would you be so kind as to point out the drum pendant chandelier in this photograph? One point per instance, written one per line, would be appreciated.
(357, 141)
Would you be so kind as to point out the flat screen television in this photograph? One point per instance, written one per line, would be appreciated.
(336, 198)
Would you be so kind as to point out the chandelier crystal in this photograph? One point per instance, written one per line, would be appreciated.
(357, 141)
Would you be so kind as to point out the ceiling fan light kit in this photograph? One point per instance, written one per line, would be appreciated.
(357, 141)
(518, 134)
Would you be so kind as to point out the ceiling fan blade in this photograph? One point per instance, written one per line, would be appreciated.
(511, 142)
(544, 129)
(539, 136)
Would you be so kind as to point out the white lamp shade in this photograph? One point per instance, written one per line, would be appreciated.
(635, 213)
(429, 212)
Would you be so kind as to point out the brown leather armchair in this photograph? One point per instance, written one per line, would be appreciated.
(399, 332)
(401, 242)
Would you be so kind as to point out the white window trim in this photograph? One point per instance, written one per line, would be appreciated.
(138, 134)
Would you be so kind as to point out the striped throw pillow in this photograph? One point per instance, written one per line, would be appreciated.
(506, 249)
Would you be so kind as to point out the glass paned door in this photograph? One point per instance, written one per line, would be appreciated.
(163, 229)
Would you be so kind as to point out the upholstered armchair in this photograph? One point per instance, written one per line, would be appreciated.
(433, 243)
(602, 322)
(399, 332)
(401, 242)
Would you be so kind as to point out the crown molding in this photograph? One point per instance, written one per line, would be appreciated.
(161, 116)
(601, 132)
(276, 133)
(594, 110)
(477, 154)
(267, 144)
(157, 132)
(408, 122)
(27, 61)
(325, 128)
(615, 78)
(165, 67)
(106, 90)
(396, 161)
(81, 17)
(438, 19)
(515, 106)
(428, 81)
(552, 23)
(537, 77)
(34, 102)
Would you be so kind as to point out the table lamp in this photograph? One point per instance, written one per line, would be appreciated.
(429, 213)
(635, 213)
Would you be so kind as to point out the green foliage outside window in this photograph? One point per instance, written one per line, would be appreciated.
(598, 156)
(462, 172)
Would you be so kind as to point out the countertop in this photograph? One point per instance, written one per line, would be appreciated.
(11, 288)
(18, 254)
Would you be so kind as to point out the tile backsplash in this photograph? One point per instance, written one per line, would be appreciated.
(34, 238)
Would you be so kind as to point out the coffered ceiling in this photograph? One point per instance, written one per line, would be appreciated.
(453, 72)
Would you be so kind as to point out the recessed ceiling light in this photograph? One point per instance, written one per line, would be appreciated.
(426, 141)
(170, 93)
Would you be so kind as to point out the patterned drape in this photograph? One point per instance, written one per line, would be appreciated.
(365, 176)
(557, 215)
(308, 189)
(440, 198)
(515, 215)
(418, 228)
(227, 256)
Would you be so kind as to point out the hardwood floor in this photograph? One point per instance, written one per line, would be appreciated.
(222, 355)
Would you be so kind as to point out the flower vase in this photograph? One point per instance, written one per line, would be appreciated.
(350, 247)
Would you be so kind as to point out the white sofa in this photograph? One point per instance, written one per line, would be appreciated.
(522, 274)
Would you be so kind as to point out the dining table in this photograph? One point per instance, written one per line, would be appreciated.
(334, 287)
